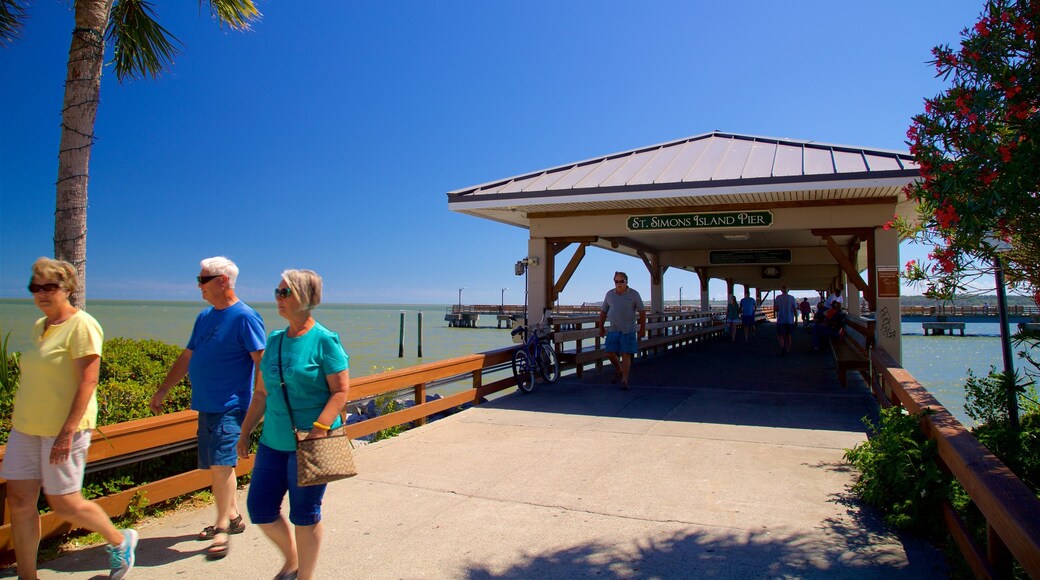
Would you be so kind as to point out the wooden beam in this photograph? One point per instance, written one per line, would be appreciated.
(630, 243)
(565, 277)
(861, 233)
(846, 265)
(720, 207)
(872, 270)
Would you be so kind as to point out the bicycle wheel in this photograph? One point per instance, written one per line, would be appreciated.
(548, 363)
(523, 371)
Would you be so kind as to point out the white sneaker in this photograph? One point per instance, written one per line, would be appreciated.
(121, 558)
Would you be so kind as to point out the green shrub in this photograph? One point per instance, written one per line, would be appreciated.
(130, 372)
(9, 373)
(899, 474)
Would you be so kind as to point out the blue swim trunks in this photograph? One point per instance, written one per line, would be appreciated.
(618, 342)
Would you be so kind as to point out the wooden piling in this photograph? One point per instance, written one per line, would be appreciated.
(419, 332)
(400, 341)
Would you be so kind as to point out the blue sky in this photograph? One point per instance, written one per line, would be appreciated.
(327, 138)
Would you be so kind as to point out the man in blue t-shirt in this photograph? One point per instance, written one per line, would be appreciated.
(221, 359)
(748, 306)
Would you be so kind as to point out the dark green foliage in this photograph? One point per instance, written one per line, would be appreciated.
(9, 373)
(898, 472)
(130, 372)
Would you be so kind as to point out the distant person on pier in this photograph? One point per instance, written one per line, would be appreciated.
(785, 308)
(620, 306)
(306, 373)
(806, 309)
(748, 306)
(830, 326)
(732, 317)
(221, 359)
(55, 409)
(835, 297)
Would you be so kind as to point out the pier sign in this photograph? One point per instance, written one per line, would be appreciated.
(888, 282)
(694, 221)
(774, 256)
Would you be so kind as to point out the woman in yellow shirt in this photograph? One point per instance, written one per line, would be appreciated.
(55, 409)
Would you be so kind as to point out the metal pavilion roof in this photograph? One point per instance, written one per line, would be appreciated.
(710, 169)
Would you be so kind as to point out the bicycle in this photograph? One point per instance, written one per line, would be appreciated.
(537, 353)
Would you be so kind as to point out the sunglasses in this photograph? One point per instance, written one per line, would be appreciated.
(621, 281)
(48, 288)
(282, 292)
(206, 279)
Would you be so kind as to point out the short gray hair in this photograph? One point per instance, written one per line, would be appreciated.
(222, 266)
(60, 270)
(306, 285)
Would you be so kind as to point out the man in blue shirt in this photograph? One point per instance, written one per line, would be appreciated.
(221, 359)
(748, 306)
(785, 308)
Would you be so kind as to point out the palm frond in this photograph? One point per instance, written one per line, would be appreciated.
(238, 14)
(12, 16)
(142, 47)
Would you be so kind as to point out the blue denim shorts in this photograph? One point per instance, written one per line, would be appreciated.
(621, 342)
(218, 434)
(274, 475)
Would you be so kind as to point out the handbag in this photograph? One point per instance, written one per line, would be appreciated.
(321, 460)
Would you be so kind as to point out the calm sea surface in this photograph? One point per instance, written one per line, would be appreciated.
(370, 336)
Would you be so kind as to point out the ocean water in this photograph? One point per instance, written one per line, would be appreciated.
(370, 335)
(369, 332)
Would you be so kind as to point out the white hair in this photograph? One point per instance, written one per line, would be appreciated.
(223, 266)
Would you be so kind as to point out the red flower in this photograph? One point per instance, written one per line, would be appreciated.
(946, 217)
(1005, 153)
(981, 28)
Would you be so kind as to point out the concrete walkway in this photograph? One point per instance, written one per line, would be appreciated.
(722, 462)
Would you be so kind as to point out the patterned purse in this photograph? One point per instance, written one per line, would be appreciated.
(322, 460)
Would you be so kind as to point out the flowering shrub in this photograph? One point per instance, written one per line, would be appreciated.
(977, 146)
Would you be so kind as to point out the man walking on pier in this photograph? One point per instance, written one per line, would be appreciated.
(748, 306)
(221, 359)
(620, 306)
(785, 308)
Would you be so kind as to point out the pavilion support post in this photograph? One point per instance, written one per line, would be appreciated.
(702, 276)
(889, 328)
(730, 287)
(657, 293)
(852, 300)
(539, 278)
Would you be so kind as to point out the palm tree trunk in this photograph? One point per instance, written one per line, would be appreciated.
(82, 94)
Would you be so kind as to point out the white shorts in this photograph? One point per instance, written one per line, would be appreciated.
(29, 457)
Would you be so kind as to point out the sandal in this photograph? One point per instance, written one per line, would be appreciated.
(287, 575)
(237, 526)
(218, 549)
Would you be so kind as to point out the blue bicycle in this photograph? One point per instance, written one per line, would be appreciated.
(536, 354)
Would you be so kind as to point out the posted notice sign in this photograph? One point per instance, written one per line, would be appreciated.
(694, 221)
(888, 282)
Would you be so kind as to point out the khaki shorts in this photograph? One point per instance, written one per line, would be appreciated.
(28, 457)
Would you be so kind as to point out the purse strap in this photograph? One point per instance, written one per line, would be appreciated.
(285, 389)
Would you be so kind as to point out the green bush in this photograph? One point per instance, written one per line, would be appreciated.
(9, 373)
(130, 372)
(899, 474)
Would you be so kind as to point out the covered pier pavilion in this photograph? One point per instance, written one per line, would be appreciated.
(755, 211)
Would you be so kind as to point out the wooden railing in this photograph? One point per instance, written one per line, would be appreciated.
(1011, 510)
(950, 310)
(133, 441)
(578, 339)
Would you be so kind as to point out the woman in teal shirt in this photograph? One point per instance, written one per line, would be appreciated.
(316, 376)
